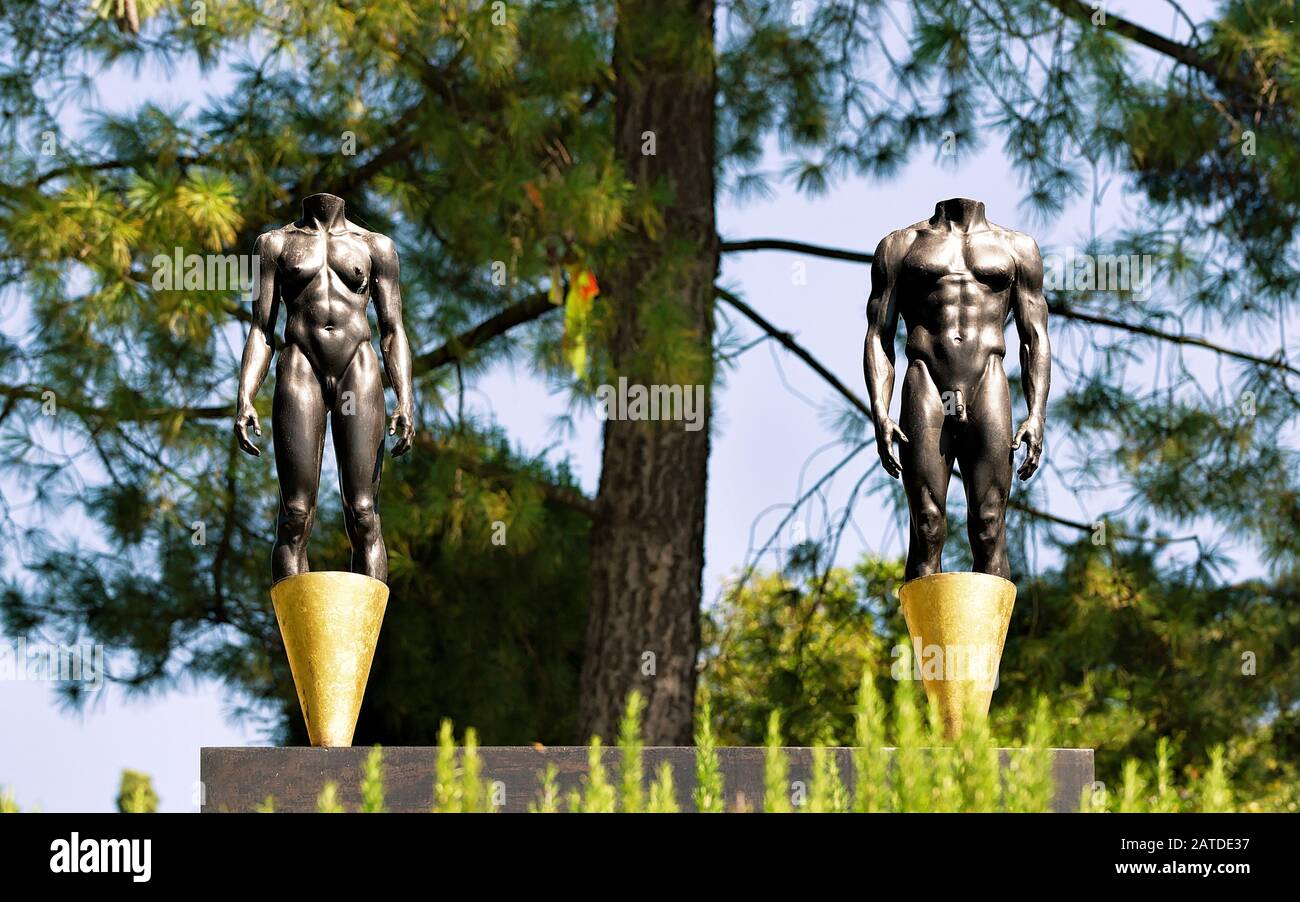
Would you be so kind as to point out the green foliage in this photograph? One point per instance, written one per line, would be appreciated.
(960, 775)
(710, 793)
(870, 761)
(136, 794)
(475, 795)
(1112, 651)
(1152, 791)
(446, 784)
(548, 800)
(827, 793)
(327, 802)
(632, 773)
(1028, 768)
(8, 803)
(776, 776)
(1216, 789)
(459, 786)
(372, 782)
(598, 794)
(795, 643)
(663, 797)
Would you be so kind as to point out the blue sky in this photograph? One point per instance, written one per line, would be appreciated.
(771, 439)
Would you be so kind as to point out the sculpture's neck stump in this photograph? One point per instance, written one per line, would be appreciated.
(324, 212)
(959, 214)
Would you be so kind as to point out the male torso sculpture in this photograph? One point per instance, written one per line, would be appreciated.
(954, 279)
(326, 270)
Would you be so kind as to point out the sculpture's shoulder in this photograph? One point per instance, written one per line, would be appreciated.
(381, 246)
(894, 246)
(1022, 245)
(272, 242)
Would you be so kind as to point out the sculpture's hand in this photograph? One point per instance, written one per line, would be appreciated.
(1031, 433)
(245, 419)
(403, 426)
(886, 431)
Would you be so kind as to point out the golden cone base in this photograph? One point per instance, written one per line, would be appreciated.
(958, 624)
(330, 622)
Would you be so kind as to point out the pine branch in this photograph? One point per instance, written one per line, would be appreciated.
(1056, 307)
(530, 308)
(794, 247)
(1187, 55)
(527, 310)
(788, 342)
(105, 166)
(1275, 362)
(90, 412)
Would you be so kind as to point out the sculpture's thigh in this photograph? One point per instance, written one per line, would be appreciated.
(985, 457)
(357, 421)
(926, 456)
(298, 432)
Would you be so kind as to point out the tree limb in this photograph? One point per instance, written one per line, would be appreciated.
(1183, 53)
(794, 247)
(530, 308)
(1057, 307)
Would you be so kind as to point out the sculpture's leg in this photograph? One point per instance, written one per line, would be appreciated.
(357, 420)
(927, 467)
(985, 457)
(298, 427)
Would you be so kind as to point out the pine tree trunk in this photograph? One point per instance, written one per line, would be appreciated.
(647, 556)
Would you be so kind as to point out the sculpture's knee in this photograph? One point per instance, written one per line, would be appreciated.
(294, 523)
(931, 524)
(364, 519)
(990, 523)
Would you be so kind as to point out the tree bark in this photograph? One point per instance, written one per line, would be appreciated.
(648, 534)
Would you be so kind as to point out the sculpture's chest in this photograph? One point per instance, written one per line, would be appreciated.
(307, 257)
(981, 257)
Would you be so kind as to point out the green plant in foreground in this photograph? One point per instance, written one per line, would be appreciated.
(776, 770)
(630, 744)
(136, 794)
(870, 760)
(598, 793)
(663, 795)
(458, 785)
(328, 800)
(548, 801)
(922, 772)
(372, 782)
(709, 789)
(826, 794)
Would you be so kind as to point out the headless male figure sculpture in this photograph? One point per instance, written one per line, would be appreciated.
(954, 279)
(326, 270)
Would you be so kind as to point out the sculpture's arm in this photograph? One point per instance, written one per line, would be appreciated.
(257, 349)
(1030, 311)
(387, 293)
(878, 350)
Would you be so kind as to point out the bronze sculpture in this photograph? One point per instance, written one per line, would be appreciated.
(955, 279)
(326, 270)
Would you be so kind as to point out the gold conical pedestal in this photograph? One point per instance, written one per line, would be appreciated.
(330, 622)
(958, 624)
